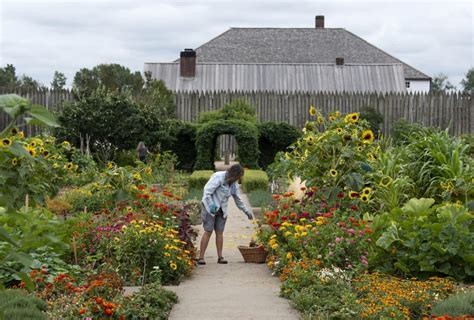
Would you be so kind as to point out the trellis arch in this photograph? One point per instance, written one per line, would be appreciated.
(246, 136)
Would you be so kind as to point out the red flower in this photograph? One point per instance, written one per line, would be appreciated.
(82, 311)
(99, 300)
(314, 188)
(354, 207)
(340, 195)
(141, 187)
(276, 225)
(327, 215)
(303, 188)
(284, 218)
(108, 312)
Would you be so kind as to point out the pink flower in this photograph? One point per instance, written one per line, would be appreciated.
(351, 231)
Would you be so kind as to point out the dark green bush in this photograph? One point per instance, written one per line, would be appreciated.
(237, 109)
(182, 142)
(274, 137)
(126, 158)
(373, 117)
(254, 180)
(199, 179)
(18, 305)
(403, 130)
(246, 135)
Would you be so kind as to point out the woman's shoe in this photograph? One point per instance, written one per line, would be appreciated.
(221, 260)
(200, 261)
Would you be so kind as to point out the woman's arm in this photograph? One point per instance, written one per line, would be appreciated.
(239, 202)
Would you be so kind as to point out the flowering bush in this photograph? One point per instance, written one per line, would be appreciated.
(386, 296)
(334, 152)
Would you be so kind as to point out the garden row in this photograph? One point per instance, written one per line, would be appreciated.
(380, 228)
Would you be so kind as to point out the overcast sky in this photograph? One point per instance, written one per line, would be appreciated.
(39, 37)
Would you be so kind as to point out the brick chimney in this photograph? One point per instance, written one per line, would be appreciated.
(187, 63)
(319, 22)
(339, 61)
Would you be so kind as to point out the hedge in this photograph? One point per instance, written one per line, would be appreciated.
(254, 180)
(246, 136)
(183, 140)
(274, 137)
(199, 179)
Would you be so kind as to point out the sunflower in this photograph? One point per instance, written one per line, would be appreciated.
(69, 166)
(320, 119)
(385, 181)
(33, 144)
(129, 209)
(367, 191)
(6, 142)
(371, 156)
(364, 198)
(45, 153)
(14, 131)
(354, 117)
(31, 151)
(312, 111)
(332, 117)
(310, 140)
(148, 170)
(110, 165)
(337, 114)
(173, 266)
(14, 161)
(353, 195)
(339, 130)
(137, 176)
(360, 149)
(368, 136)
(333, 173)
(21, 134)
(41, 150)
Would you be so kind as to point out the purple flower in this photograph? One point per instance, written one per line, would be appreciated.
(351, 231)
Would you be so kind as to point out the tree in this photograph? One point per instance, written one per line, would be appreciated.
(441, 84)
(468, 83)
(112, 77)
(8, 76)
(59, 81)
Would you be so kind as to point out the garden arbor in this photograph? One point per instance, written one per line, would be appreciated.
(246, 135)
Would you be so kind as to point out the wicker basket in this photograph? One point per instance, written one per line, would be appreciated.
(253, 254)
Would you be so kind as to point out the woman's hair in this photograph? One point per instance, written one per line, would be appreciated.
(141, 145)
(234, 173)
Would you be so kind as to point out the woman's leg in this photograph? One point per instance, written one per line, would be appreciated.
(204, 242)
(219, 243)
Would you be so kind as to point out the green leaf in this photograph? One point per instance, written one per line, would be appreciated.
(26, 279)
(24, 258)
(418, 207)
(355, 181)
(388, 237)
(18, 150)
(401, 266)
(5, 236)
(43, 116)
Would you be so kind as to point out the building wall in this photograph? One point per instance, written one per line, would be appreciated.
(418, 85)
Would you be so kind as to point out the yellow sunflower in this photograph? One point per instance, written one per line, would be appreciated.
(385, 181)
(368, 136)
(367, 191)
(354, 117)
(339, 130)
(337, 114)
(353, 195)
(320, 119)
(69, 166)
(312, 111)
(173, 266)
(21, 134)
(33, 144)
(6, 142)
(45, 153)
(331, 117)
(31, 151)
(14, 131)
(333, 173)
(110, 165)
(14, 161)
(364, 198)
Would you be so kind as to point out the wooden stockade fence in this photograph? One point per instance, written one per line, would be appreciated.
(438, 110)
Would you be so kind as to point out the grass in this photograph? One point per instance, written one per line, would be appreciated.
(260, 198)
(456, 305)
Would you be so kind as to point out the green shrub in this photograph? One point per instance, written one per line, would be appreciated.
(254, 180)
(151, 302)
(373, 117)
(260, 198)
(237, 109)
(199, 179)
(274, 137)
(194, 194)
(18, 305)
(469, 139)
(403, 130)
(456, 305)
(420, 239)
(126, 158)
(183, 143)
(246, 135)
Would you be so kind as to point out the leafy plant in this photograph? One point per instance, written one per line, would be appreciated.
(459, 304)
(373, 117)
(199, 178)
(18, 305)
(254, 180)
(422, 239)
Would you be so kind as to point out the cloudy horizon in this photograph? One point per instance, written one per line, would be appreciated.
(40, 37)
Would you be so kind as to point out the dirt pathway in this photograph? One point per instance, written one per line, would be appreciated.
(237, 290)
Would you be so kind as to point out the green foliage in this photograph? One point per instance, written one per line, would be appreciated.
(402, 131)
(422, 239)
(457, 305)
(254, 180)
(159, 98)
(274, 137)
(199, 178)
(194, 194)
(8, 76)
(246, 135)
(373, 117)
(18, 305)
(151, 302)
(260, 198)
(468, 82)
(112, 77)
(59, 81)
(469, 140)
(237, 109)
(182, 141)
(125, 158)
(440, 84)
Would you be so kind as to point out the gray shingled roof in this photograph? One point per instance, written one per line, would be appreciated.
(283, 77)
(295, 45)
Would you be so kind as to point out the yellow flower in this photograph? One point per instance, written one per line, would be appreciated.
(45, 153)
(31, 151)
(320, 119)
(332, 118)
(33, 144)
(173, 266)
(167, 254)
(137, 176)
(21, 134)
(333, 173)
(130, 209)
(353, 194)
(14, 161)
(367, 191)
(458, 204)
(274, 246)
(368, 136)
(288, 233)
(339, 130)
(364, 198)
(385, 181)
(304, 234)
(110, 165)
(338, 114)
(148, 170)
(66, 143)
(69, 166)
(55, 165)
(371, 157)
(6, 142)
(289, 256)
(312, 111)
(351, 118)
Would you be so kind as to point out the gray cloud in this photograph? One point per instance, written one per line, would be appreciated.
(39, 37)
